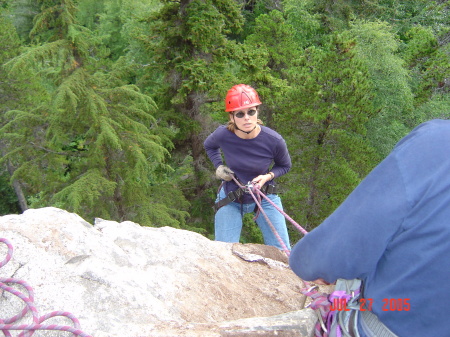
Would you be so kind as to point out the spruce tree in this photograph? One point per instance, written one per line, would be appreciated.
(323, 122)
(189, 44)
(93, 146)
(377, 48)
(427, 57)
(12, 197)
(272, 49)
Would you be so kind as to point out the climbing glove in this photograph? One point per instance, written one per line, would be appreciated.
(223, 172)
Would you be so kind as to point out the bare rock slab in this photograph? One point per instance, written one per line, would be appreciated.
(122, 279)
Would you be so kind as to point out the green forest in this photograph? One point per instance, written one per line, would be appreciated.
(105, 104)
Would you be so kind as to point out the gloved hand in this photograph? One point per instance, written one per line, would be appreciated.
(223, 172)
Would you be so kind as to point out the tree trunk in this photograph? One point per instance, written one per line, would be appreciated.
(18, 189)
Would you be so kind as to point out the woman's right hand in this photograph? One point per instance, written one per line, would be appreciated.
(223, 172)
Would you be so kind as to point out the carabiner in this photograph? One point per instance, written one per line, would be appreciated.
(249, 187)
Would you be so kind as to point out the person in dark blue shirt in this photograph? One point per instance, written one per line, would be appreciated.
(393, 232)
(252, 153)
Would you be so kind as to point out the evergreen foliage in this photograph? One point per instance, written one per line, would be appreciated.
(9, 91)
(267, 54)
(190, 50)
(8, 200)
(376, 47)
(324, 126)
(306, 25)
(93, 146)
(105, 104)
(428, 63)
(22, 13)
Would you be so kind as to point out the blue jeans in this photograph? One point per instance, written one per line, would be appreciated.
(228, 221)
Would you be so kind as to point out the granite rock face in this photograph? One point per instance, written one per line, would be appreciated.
(122, 279)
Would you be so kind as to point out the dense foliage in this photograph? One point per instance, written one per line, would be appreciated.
(105, 103)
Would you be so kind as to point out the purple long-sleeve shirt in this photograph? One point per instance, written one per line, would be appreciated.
(248, 158)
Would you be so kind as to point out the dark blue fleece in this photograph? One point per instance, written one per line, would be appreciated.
(393, 232)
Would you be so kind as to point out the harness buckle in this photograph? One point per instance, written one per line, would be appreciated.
(230, 197)
(248, 187)
(233, 195)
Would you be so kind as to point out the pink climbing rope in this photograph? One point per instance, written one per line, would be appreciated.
(9, 324)
(321, 302)
(253, 188)
(300, 228)
(258, 203)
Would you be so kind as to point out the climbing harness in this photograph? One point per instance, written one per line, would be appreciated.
(235, 195)
(230, 197)
(257, 196)
(7, 325)
(331, 323)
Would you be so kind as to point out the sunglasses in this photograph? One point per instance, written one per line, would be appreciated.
(241, 114)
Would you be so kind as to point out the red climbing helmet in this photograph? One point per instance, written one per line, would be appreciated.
(241, 96)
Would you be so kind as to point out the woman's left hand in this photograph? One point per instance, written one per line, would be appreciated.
(261, 179)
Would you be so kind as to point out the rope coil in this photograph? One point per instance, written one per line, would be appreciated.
(9, 324)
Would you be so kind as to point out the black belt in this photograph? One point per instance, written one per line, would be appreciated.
(235, 195)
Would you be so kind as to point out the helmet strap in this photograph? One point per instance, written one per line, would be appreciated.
(247, 132)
